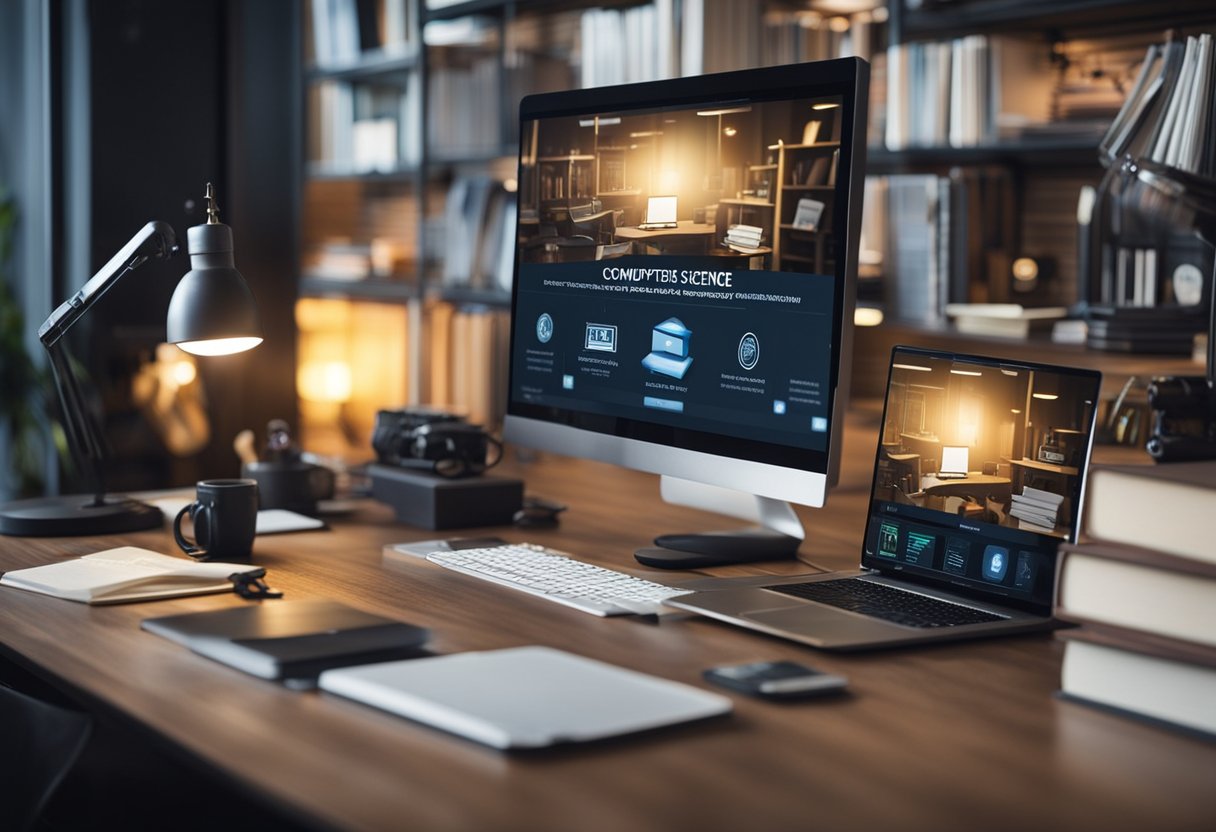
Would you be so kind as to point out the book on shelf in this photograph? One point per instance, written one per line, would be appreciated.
(1154, 506)
(623, 46)
(1155, 679)
(1009, 320)
(965, 92)
(342, 30)
(807, 214)
(127, 573)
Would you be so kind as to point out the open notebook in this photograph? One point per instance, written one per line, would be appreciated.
(127, 573)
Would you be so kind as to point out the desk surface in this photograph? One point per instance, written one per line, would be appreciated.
(957, 736)
(684, 228)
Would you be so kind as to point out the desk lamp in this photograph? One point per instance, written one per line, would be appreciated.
(1184, 407)
(212, 312)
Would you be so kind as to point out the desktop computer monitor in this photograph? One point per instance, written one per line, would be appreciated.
(715, 353)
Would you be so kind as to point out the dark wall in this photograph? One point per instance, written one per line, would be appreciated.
(181, 94)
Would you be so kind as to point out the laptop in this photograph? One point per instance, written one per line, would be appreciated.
(954, 462)
(660, 213)
(940, 566)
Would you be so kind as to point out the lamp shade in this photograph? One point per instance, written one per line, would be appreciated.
(212, 311)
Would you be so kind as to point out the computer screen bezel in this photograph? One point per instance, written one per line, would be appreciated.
(768, 469)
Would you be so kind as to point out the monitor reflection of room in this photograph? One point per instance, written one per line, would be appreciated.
(1000, 447)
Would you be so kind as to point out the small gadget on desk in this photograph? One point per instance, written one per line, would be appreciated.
(776, 680)
(436, 441)
(962, 559)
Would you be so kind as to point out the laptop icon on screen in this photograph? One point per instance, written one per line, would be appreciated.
(954, 463)
(660, 212)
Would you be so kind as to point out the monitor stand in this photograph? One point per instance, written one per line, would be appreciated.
(777, 535)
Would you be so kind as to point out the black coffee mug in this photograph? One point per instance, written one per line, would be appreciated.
(225, 518)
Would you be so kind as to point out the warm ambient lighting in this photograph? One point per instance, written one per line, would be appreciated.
(729, 132)
(219, 346)
(1025, 269)
(325, 381)
(916, 367)
(867, 316)
(1050, 397)
(966, 372)
(184, 372)
(599, 121)
(726, 111)
(825, 106)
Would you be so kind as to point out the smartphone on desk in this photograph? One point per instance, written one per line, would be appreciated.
(776, 680)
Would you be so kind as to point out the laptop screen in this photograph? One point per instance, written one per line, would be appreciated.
(954, 459)
(1022, 434)
(661, 209)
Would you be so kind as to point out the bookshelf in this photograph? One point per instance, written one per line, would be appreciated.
(1081, 55)
(456, 70)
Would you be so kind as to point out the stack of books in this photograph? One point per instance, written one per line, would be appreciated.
(1146, 603)
(744, 238)
(1037, 507)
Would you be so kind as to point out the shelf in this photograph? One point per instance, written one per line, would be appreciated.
(808, 188)
(750, 203)
(788, 227)
(386, 291)
(471, 295)
(496, 8)
(1037, 15)
(1059, 152)
(488, 157)
(331, 172)
(372, 66)
(815, 146)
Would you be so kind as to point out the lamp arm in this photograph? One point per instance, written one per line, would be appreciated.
(156, 240)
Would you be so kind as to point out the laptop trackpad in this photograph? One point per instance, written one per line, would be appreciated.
(822, 623)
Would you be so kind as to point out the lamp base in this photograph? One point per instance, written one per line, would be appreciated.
(77, 515)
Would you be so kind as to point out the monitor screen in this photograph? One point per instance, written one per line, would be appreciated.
(710, 350)
(1020, 435)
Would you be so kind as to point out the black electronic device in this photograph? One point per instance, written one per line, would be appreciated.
(292, 641)
(435, 441)
(776, 680)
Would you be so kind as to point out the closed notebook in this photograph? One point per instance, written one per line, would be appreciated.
(127, 573)
(524, 697)
(291, 640)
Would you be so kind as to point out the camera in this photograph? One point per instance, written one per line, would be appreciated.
(1184, 418)
(433, 440)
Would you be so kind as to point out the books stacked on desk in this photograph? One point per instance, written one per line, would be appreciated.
(1147, 603)
(1036, 506)
(744, 238)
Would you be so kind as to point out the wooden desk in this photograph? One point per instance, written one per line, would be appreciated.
(964, 736)
(685, 230)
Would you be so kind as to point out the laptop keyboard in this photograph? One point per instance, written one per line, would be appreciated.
(881, 601)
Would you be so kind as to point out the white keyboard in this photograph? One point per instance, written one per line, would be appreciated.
(557, 577)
